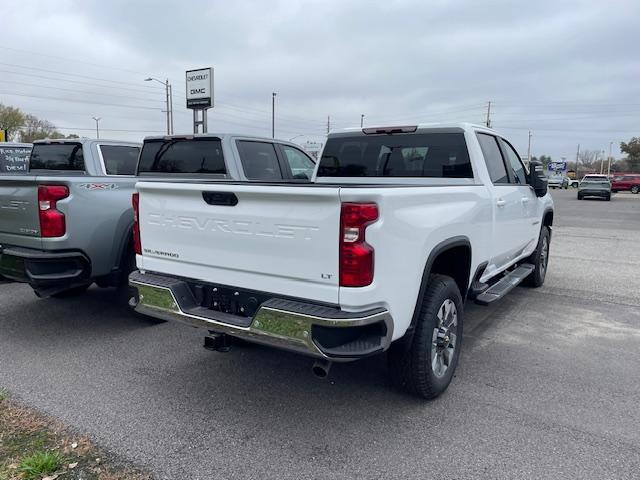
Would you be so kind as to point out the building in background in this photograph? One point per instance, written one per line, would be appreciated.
(312, 148)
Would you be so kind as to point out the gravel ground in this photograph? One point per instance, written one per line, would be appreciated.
(547, 387)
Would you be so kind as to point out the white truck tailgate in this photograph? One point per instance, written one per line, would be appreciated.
(276, 238)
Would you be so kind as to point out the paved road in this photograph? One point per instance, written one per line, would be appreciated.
(548, 384)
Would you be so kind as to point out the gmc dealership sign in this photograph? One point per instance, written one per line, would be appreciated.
(200, 88)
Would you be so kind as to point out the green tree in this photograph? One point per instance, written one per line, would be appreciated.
(11, 120)
(632, 149)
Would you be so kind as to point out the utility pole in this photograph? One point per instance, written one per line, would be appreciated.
(273, 114)
(609, 163)
(97, 119)
(361, 120)
(528, 146)
(577, 159)
(488, 122)
(602, 163)
(171, 105)
(328, 124)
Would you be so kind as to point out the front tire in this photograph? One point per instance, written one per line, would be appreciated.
(635, 189)
(426, 366)
(540, 259)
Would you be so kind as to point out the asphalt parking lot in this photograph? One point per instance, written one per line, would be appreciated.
(548, 385)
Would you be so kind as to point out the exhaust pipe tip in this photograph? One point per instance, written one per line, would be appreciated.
(320, 368)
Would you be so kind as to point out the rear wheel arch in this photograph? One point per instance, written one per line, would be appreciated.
(125, 247)
(451, 257)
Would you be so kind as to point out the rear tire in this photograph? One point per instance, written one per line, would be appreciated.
(72, 292)
(635, 189)
(426, 366)
(124, 292)
(540, 259)
(579, 197)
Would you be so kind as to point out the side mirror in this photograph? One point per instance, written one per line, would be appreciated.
(537, 179)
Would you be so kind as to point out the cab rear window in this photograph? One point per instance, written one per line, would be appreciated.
(182, 156)
(57, 156)
(435, 155)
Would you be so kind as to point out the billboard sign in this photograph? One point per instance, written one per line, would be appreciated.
(200, 88)
(557, 166)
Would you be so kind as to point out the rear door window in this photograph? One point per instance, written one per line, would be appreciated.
(493, 158)
(300, 164)
(434, 155)
(119, 159)
(259, 160)
(57, 156)
(182, 156)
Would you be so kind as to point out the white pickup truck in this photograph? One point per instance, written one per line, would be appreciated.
(397, 228)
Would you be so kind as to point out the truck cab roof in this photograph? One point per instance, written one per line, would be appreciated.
(414, 128)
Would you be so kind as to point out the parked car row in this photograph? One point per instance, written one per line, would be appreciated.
(374, 249)
(629, 182)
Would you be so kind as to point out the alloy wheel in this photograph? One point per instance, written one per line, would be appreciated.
(443, 343)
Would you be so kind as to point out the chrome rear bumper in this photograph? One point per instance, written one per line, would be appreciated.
(281, 323)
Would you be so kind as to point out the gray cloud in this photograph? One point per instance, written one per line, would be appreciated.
(566, 70)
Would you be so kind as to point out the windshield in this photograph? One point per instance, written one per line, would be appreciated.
(400, 155)
(194, 155)
(14, 159)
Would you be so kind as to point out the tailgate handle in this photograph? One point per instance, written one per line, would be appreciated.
(225, 199)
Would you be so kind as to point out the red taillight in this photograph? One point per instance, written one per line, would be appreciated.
(356, 255)
(137, 244)
(52, 222)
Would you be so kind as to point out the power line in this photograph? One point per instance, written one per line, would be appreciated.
(74, 60)
(79, 82)
(79, 101)
(150, 87)
(79, 91)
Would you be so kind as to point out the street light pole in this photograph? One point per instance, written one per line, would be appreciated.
(273, 114)
(169, 100)
(97, 119)
(361, 120)
(529, 147)
(609, 163)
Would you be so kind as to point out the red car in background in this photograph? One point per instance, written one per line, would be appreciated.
(626, 181)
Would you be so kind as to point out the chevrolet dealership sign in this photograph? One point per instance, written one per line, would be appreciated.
(200, 88)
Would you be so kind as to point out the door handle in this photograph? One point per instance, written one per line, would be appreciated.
(525, 199)
(500, 202)
(225, 199)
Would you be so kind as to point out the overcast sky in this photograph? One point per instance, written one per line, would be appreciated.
(567, 70)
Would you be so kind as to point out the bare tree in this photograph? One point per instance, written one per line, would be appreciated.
(37, 129)
(588, 160)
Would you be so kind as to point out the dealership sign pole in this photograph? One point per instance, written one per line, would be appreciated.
(199, 95)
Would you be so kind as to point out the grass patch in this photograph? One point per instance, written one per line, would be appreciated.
(39, 464)
(3, 394)
(33, 446)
